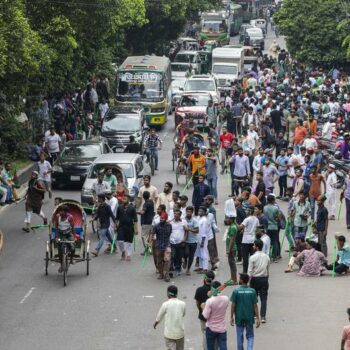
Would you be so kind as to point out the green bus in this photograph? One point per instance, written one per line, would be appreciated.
(235, 18)
(146, 80)
(249, 10)
(214, 27)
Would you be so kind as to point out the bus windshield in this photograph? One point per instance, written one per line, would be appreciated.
(213, 27)
(140, 86)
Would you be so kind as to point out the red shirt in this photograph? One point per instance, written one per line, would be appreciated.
(226, 140)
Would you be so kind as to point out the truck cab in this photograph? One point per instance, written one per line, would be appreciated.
(227, 66)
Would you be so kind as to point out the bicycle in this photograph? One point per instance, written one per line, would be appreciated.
(64, 247)
(152, 159)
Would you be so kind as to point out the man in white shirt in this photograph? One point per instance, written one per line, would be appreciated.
(249, 226)
(112, 201)
(174, 311)
(230, 208)
(100, 187)
(331, 187)
(202, 243)
(166, 197)
(177, 240)
(252, 138)
(258, 272)
(261, 234)
(257, 160)
(45, 170)
(309, 142)
(52, 144)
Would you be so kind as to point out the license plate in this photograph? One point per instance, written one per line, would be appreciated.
(75, 178)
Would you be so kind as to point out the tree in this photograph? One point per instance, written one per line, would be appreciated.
(310, 27)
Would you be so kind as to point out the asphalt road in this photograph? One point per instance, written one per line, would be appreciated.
(115, 307)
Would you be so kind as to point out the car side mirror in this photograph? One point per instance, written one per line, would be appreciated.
(181, 89)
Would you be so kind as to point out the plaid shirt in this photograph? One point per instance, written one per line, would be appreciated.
(162, 232)
(152, 141)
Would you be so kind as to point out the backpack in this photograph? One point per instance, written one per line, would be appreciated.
(281, 222)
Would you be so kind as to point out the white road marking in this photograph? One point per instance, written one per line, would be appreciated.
(148, 296)
(27, 295)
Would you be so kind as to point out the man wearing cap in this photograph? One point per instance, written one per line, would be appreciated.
(34, 200)
(173, 310)
(161, 235)
(201, 296)
(214, 312)
(243, 309)
(258, 271)
(331, 187)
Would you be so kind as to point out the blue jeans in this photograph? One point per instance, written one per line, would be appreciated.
(312, 208)
(212, 183)
(154, 152)
(249, 335)
(9, 192)
(104, 234)
(213, 337)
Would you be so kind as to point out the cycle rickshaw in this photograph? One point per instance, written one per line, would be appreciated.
(180, 153)
(82, 243)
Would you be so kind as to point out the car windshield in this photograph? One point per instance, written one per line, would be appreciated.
(200, 85)
(121, 123)
(179, 67)
(140, 86)
(177, 84)
(194, 100)
(127, 169)
(82, 151)
(220, 69)
(185, 58)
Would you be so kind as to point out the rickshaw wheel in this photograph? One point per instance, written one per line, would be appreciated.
(87, 264)
(177, 174)
(65, 269)
(46, 263)
(174, 157)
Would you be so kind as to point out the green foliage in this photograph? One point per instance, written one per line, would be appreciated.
(311, 30)
(166, 22)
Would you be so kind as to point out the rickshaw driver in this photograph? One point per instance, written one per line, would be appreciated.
(64, 224)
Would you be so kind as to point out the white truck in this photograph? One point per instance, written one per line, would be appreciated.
(227, 65)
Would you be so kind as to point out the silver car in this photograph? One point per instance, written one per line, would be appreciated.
(130, 163)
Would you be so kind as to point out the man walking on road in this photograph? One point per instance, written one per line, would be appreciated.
(214, 312)
(201, 297)
(34, 200)
(173, 310)
(243, 309)
(258, 271)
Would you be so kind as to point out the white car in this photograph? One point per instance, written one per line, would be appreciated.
(205, 83)
(191, 57)
(176, 91)
(179, 69)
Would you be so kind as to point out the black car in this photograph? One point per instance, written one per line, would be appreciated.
(121, 122)
(71, 166)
